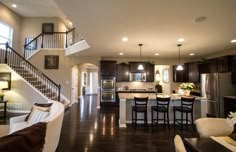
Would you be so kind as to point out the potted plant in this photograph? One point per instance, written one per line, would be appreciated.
(187, 87)
(1, 96)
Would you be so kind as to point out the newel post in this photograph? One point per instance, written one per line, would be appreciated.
(66, 39)
(5, 59)
(59, 92)
(42, 40)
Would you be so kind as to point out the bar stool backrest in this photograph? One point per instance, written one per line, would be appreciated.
(140, 101)
(163, 102)
(187, 102)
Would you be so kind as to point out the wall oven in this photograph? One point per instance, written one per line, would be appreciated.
(108, 89)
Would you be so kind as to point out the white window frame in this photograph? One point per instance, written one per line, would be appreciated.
(9, 37)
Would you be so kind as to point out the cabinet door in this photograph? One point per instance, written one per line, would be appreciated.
(224, 64)
(122, 72)
(179, 76)
(209, 67)
(229, 105)
(150, 73)
(108, 68)
(192, 72)
(133, 67)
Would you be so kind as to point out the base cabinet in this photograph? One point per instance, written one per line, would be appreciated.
(229, 105)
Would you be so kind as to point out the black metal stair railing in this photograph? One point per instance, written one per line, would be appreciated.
(49, 40)
(29, 72)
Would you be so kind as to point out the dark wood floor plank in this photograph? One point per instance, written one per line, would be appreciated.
(88, 129)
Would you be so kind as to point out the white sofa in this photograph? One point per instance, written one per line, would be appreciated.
(53, 126)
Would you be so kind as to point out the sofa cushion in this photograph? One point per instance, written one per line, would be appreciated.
(37, 115)
(44, 107)
(30, 139)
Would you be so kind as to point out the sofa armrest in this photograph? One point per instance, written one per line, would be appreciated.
(17, 119)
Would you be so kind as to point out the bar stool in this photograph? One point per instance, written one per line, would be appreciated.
(185, 108)
(140, 107)
(162, 106)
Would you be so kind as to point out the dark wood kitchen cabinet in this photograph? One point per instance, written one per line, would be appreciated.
(150, 72)
(192, 72)
(233, 64)
(122, 72)
(224, 64)
(229, 105)
(179, 76)
(209, 66)
(133, 67)
(108, 68)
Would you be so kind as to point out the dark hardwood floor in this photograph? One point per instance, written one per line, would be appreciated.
(88, 129)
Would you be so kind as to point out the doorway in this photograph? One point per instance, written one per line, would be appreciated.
(74, 84)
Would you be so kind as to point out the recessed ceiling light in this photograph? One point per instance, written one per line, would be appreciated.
(191, 54)
(70, 23)
(156, 54)
(14, 5)
(121, 53)
(180, 39)
(199, 19)
(124, 39)
(233, 41)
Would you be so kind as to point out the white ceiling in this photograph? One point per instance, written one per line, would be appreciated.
(155, 23)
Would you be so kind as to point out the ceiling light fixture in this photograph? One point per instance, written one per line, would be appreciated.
(14, 5)
(121, 53)
(191, 54)
(179, 67)
(156, 54)
(181, 40)
(140, 66)
(233, 41)
(125, 39)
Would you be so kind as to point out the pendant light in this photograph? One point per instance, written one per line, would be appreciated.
(140, 66)
(179, 67)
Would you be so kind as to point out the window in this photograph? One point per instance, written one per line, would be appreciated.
(5, 34)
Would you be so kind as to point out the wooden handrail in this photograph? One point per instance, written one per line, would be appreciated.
(11, 57)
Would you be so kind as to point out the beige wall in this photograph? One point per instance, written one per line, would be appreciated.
(20, 91)
(11, 18)
(63, 74)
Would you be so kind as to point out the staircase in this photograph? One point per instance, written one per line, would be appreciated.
(30, 73)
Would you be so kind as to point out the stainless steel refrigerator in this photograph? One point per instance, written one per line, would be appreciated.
(214, 86)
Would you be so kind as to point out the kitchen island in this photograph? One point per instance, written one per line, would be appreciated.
(127, 101)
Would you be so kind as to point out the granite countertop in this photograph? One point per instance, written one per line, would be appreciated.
(152, 96)
(136, 91)
(232, 97)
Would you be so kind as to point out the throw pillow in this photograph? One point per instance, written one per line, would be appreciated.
(37, 115)
(40, 105)
(30, 139)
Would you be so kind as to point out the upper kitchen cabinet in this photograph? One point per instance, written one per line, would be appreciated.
(179, 76)
(234, 70)
(224, 64)
(122, 72)
(150, 72)
(209, 66)
(192, 72)
(108, 68)
(133, 67)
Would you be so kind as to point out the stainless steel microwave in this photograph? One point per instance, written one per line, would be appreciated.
(137, 77)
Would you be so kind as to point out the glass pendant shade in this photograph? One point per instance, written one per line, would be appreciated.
(140, 67)
(179, 68)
